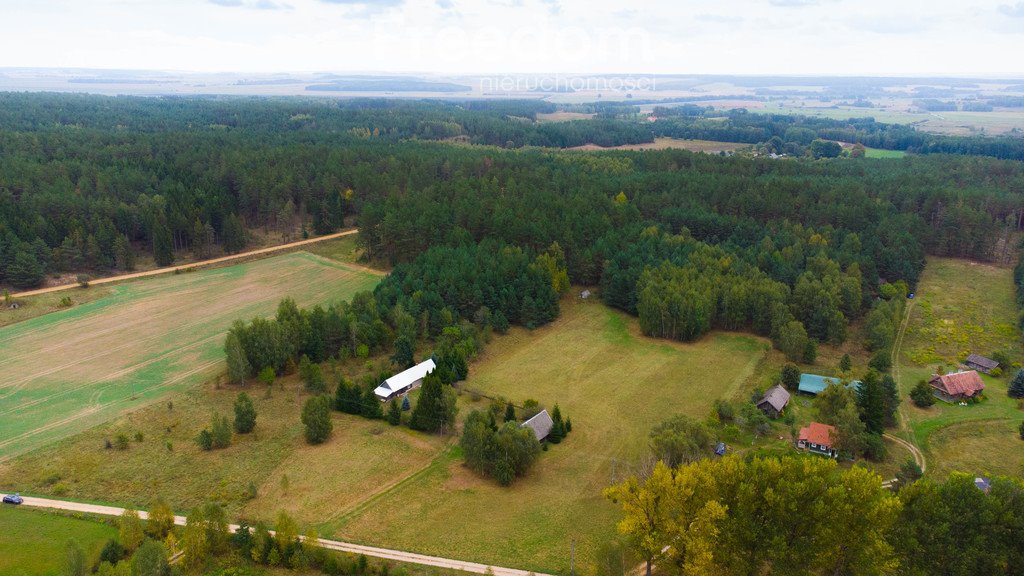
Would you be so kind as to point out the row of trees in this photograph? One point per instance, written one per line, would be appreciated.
(144, 548)
(700, 519)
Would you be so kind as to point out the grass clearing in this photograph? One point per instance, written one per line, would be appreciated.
(880, 153)
(614, 384)
(562, 116)
(708, 146)
(962, 307)
(75, 368)
(980, 447)
(32, 541)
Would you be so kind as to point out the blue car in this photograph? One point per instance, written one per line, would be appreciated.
(13, 499)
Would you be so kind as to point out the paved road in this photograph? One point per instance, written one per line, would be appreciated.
(337, 545)
(200, 264)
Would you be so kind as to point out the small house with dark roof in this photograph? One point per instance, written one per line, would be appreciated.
(774, 401)
(980, 363)
(958, 386)
(818, 438)
(541, 424)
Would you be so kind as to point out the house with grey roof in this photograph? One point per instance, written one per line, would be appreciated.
(774, 401)
(541, 424)
(981, 363)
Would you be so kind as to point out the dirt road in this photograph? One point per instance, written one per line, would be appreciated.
(396, 555)
(193, 265)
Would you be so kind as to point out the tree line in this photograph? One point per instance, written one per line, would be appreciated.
(806, 515)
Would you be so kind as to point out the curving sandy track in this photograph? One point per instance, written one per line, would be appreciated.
(193, 265)
(337, 545)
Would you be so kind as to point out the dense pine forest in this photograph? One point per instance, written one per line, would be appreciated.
(794, 249)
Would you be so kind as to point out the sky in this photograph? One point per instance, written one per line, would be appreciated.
(832, 37)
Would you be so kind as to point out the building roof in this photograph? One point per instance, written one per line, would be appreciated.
(404, 379)
(541, 424)
(966, 383)
(982, 483)
(776, 396)
(814, 383)
(818, 433)
(982, 362)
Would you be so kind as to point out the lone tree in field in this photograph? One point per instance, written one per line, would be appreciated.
(245, 414)
(680, 440)
(220, 431)
(316, 417)
(790, 376)
(238, 362)
(1017, 385)
(845, 363)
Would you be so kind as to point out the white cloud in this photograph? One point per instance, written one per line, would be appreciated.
(497, 36)
(1014, 11)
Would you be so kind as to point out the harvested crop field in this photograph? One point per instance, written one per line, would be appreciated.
(67, 371)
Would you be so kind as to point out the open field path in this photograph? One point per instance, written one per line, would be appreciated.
(914, 450)
(912, 446)
(201, 264)
(337, 545)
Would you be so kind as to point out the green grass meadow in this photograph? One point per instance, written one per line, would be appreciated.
(614, 384)
(32, 541)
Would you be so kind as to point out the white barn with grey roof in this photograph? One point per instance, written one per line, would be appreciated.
(404, 381)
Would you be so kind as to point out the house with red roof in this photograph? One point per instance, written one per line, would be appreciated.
(818, 438)
(958, 386)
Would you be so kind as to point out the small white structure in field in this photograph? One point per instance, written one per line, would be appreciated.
(404, 381)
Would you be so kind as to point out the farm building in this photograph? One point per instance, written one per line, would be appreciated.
(817, 438)
(980, 363)
(404, 381)
(813, 384)
(541, 425)
(958, 386)
(774, 401)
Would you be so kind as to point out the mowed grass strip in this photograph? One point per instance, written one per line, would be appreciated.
(32, 541)
(69, 370)
(961, 307)
(614, 384)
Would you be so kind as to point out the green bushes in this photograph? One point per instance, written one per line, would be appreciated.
(503, 452)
